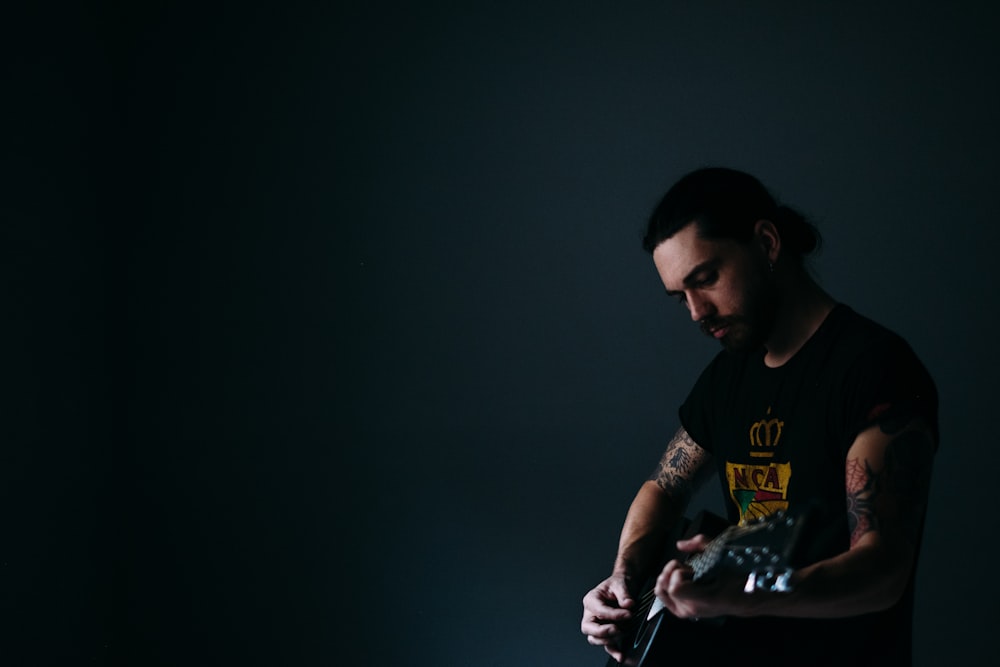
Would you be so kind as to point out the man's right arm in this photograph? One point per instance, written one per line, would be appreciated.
(656, 507)
(658, 504)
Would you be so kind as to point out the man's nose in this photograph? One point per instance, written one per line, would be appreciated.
(700, 308)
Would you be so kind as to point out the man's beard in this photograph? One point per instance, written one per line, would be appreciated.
(750, 328)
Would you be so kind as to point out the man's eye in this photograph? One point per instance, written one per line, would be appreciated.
(707, 280)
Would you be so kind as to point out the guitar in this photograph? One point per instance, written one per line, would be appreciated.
(764, 550)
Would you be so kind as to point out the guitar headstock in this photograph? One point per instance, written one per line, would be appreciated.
(762, 549)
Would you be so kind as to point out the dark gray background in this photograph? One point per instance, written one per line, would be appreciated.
(330, 339)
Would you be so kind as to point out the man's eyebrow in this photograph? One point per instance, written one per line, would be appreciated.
(694, 274)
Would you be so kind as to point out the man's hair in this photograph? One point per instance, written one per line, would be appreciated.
(726, 203)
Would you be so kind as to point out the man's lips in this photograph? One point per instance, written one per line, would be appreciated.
(715, 329)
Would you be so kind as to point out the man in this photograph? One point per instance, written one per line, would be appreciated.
(809, 404)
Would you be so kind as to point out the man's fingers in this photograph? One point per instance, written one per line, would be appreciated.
(600, 633)
(670, 586)
(622, 597)
(603, 618)
(608, 606)
(605, 609)
(695, 544)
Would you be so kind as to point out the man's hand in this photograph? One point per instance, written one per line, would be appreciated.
(686, 598)
(605, 608)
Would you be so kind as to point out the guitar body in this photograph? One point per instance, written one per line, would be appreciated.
(642, 651)
(763, 551)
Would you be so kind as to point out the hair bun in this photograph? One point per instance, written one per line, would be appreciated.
(797, 234)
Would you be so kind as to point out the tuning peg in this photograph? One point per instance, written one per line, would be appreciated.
(783, 583)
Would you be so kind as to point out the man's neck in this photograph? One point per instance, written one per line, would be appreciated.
(803, 308)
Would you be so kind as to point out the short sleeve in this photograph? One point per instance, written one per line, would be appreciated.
(888, 383)
(695, 413)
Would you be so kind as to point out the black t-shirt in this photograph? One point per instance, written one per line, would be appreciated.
(779, 438)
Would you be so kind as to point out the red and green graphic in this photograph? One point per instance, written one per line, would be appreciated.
(758, 490)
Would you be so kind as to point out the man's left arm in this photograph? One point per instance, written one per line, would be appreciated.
(888, 470)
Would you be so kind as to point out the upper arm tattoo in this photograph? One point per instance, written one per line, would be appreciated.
(677, 472)
(862, 490)
(893, 491)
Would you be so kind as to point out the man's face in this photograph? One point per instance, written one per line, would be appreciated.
(725, 285)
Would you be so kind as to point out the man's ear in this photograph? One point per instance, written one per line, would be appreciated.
(767, 237)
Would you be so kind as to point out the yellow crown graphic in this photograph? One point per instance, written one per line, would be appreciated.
(764, 436)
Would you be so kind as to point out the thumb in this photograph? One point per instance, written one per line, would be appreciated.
(696, 544)
(619, 589)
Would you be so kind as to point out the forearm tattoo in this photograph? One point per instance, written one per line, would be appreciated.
(678, 467)
(897, 492)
